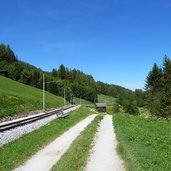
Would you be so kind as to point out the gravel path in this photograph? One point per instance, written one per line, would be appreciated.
(47, 157)
(8, 136)
(104, 156)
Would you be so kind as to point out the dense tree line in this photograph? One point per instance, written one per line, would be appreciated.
(128, 100)
(75, 82)
(158, 89)
(7, 54)
(80, 84)
(111, 90)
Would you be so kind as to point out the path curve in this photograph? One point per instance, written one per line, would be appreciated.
(47, 157)
(104, 156)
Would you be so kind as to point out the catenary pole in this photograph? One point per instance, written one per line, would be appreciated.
(64, 96)
(44, 99)
(44, 93)
(80, 100)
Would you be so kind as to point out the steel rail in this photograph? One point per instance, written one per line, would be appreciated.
(24, 121)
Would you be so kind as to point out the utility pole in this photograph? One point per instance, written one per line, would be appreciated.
(44, 93)
(64, 96)
(44, 87)
(80, 100)
(70, 98)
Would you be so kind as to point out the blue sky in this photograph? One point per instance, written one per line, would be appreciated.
(116, 41)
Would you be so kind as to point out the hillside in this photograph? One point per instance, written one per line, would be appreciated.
(75, 82)
(77, 101)
(106, 99)
(16, 98)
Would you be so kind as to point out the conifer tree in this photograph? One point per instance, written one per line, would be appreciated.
(154, 79)
(166, 93)
(62, 72)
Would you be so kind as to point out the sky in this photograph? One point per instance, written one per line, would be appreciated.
(116, 41)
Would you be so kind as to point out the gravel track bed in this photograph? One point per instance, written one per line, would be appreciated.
(10, 135)
(24, 114)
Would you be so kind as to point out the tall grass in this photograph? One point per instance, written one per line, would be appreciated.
(145, 144)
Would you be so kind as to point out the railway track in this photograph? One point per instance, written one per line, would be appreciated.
(23, 121)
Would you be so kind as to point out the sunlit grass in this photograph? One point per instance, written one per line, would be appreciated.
(77, 101)
(106, 99)
(145, 144)
(16, 97)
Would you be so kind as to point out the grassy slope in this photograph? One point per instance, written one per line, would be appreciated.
(108, 99)
(16, 98)
(16, 152)
(77, 101)
(75, 158)
(110, 110)
(145, 144)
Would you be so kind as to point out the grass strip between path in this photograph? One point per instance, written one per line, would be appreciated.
(15, 153)
(76, 156)
(144, 144)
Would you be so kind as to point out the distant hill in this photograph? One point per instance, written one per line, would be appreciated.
(77, 101)
(16, 98)
(75, 82)
(111, 89)
(106, 99)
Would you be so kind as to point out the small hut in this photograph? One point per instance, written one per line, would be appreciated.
(101, 107)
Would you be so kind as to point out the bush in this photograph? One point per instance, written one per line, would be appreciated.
(132, 108)
(115, 108)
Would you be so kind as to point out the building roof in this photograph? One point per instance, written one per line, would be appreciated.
(101, 105)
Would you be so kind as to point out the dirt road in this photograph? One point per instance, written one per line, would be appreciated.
(104, 156)
(47, 157)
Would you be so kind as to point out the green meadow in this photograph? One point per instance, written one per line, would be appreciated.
(16, 98)
(144, 143)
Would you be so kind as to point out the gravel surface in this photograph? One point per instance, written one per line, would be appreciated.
(24, 114)
(47, 157)
(8, 136)
(104, 156)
